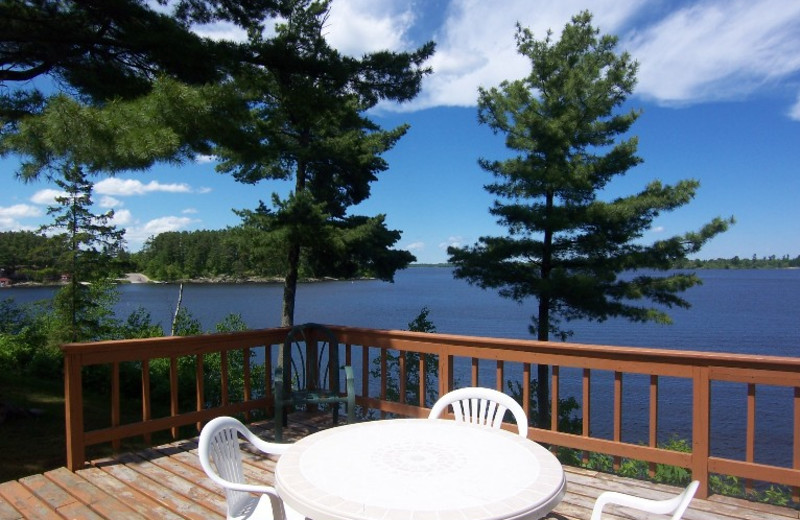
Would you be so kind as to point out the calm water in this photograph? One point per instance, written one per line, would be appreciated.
(741, 311)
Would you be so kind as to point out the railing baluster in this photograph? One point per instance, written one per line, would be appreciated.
(555, 386)
(796, 444)
(499, 374)
(423, 387)
(223, 361)
(586, 407)
(401, 365)
(115, 444)
(653, 422)
(247, 389)
(147, 410)
(701, 427)
(474, 366)
(617, 415)
(199, 382)
(365, 371)
(751, 431)
(384, 376)
(173, 393)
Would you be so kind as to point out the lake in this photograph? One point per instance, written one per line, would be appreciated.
(739, 311)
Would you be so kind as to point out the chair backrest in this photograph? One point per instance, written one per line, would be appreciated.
(309, 359)
(674, 506)
(483, 406)
(219, 443)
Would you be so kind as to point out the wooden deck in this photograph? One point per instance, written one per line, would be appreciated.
(167, 482)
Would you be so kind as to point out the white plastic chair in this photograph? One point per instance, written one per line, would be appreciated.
(483, 406)
(219, 442)
(673, 506)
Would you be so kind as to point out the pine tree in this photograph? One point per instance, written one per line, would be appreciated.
(90, 246)
(567, 243)
(308, 125)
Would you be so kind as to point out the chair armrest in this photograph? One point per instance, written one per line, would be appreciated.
(642, 504)
(350, 380)
(247, 488)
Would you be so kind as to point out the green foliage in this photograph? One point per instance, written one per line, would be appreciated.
(566, 244)
(139, 324)
(568, 419)
(186, 324)
(664, 473)
(307, 124)
(114, 55)
(421, 323)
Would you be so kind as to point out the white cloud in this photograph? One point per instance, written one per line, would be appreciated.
(355, 27)
(415, 246)
(455, 241)
(476, 46)
(9, 217)
(46, 197)
(136, 235)
(204, 159)
(700, 51)
(20, 211)
(189, 211)
(122, 218)
(164, 224)
(127, 187)
(716, 49)
(794, 111)
(221, 31)
(109, 202)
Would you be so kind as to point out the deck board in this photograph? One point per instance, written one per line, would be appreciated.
(167, 482)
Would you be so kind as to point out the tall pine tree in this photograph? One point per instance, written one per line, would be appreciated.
(567, 242)
(91, 245)
(308, 126)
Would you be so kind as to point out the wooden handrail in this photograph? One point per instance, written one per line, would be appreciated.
(699, 369)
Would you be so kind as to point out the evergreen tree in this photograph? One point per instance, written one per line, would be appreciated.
(567, 243)
(90, 246)
(134, 84)
(308, 126)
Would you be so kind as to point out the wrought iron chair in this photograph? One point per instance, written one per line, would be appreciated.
(483, 406)
(219, 443)
(307, 375)
(673, 506)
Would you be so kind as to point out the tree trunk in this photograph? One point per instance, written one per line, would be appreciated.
(543, 371)
(177, 311)
(543, 334)
(290, 286)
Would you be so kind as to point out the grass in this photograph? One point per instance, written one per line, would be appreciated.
(36, 443)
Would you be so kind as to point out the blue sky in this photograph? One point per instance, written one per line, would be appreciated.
(719, 86)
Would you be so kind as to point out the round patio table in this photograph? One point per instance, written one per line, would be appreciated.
(419, 469)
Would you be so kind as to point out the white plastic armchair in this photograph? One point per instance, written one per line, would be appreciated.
(219, 442)
(482, 406)
(673, 506)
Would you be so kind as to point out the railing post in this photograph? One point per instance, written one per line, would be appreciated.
(445, 367)
(73, 399)
(701, 427)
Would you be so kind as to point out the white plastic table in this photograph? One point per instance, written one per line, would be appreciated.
(419, 469)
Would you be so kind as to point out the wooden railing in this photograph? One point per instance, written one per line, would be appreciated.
(471, 361)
